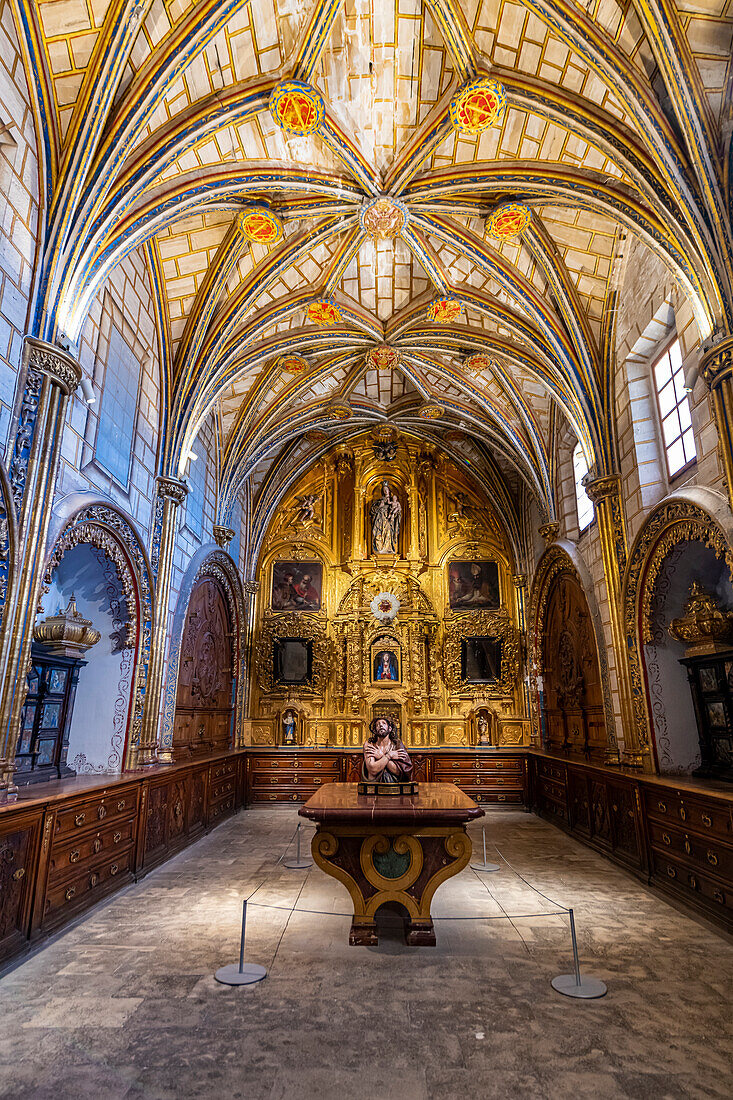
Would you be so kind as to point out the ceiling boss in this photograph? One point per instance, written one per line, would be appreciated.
(297, 108)
(478, 105)
(383, 218)
(260, 225)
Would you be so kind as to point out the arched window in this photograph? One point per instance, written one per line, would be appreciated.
(585, 505)
(674, 410)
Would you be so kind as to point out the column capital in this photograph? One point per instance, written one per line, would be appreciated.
(60, 367)
(598, 488)
(223, 535)
(170, 488)
(549, 532)
(717, 362)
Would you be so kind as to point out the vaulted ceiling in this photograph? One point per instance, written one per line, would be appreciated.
(161, 131)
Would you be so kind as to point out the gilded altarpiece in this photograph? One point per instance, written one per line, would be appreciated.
(405, 524)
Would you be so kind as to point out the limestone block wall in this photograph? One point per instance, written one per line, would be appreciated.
(19, 188)
(125, 301)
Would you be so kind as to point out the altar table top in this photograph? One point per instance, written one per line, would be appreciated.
(434, 803)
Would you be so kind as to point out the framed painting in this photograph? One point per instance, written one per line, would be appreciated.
(296, 586)
(385, 666)
(473, 585)
(293, 660)
(480, 659)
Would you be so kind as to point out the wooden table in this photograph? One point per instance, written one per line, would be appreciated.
(388, 849)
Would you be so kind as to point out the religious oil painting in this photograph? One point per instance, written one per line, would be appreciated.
(386, 666)
(297, 585)
(480, 659)
(293, 660)
(473, 585)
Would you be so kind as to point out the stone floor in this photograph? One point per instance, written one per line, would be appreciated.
(125, 1004)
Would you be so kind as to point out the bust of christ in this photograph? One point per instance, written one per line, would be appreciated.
(385, 757)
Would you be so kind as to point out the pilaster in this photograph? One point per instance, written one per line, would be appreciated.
(50, 377)
(170, 494)
(605, 493)
(716, 368)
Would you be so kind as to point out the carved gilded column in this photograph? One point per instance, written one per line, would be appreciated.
(170, 495)
(519, 580)
(250, 589)
(605, 492)
(716, 368)
(51, 376)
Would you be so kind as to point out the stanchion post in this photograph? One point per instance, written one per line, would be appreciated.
(572, 985)
(298, 864)
(485, 866)
(245, 973)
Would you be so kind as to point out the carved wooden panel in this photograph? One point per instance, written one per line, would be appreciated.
(156, 820)
(204, 702)
(17, 869)
(572, 678)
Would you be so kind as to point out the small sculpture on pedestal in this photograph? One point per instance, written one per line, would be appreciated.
(289, 722)
(482, 729)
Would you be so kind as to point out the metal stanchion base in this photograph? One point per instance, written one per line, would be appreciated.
(588, 989)
(297, 865)
(248, 975)
(485, 867)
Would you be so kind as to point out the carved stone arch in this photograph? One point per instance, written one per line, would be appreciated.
(8, 541)
(563, 557)
(102, 525)
(219, 566)
(695, 515)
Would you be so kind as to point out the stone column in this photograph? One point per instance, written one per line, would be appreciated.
(51, 376)
(605, 492)
(716, 368)
(170, 495)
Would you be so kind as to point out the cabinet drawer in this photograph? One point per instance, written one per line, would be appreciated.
(220, 791)
(92, 812)
(706, 854)
(548, 769)
(282, 795)
(71, 855)
(221, 809)
(702, 817)
(266, 763)
(692, 884)
(508, 797)
(222, 770)
(64, 898)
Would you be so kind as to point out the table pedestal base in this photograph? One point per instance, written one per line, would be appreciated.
(395, 864)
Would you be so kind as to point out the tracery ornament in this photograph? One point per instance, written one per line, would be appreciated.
(103, 527)
(508, 221)
(383, 357)
(324, 312)
(275, 628)
(445, 311)
(478, 105)
(260, 225)
(297, 107)
(672, 523)
(494, 624)
(291, 364)
(383, 218)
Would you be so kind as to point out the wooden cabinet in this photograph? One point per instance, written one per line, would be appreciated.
(485, 777)
(19, 844)
(286, 776)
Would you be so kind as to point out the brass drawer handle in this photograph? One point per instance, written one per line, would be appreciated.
(692, 879)
(74, 856)
(121, 805)
(671, 871)
(101, 812)
(272, 797)
(318, 764)
(456, 765)
(500, 763)
(117, 838)
(666, 838)
(707, 821)
(719, 896)
(501, 798)
(70, 893)
(114, 869)
(17, 875)
(317, 782)
(93, 879)
(662, 807)
(712, 858)
(683, 813)
(688, 847)
(96, 846)
(80, 819)
(500, 781)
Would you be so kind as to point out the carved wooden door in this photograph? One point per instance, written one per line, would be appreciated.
(204, 702)
(573, 692)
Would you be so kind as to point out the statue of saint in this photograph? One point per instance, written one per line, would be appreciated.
(288, 728)
(385, 516)
(483, 730)
(385, 757)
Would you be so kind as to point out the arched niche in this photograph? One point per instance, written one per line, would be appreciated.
(568, 665)
(99, 558)
(685, 539)
(217, 567)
